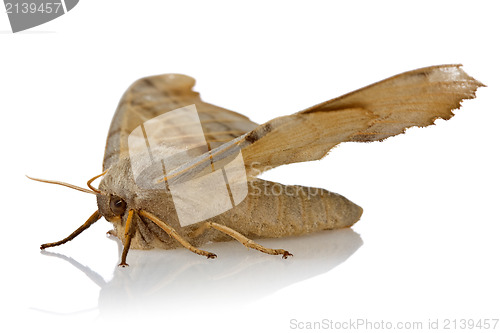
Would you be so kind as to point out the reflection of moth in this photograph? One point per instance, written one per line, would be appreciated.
(146, 218)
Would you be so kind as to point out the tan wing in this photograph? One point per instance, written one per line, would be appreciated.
(151, 96)
(415, 98)
(373, 113)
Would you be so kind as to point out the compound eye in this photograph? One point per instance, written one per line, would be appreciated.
(117, 205)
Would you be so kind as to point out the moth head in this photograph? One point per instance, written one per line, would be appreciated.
(116, 193)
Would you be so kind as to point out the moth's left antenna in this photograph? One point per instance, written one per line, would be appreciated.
(63, 184)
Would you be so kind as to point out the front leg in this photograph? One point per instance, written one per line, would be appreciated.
(129, 233)
(91, 220)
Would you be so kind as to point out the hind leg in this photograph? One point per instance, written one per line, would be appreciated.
(240, 238)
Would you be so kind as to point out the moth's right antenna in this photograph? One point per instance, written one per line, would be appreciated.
(89, 183)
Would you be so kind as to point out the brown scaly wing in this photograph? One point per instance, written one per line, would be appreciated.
(415, 98)
(152, 96)
(373, 113)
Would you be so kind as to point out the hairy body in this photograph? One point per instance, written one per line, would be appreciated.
(271, 210)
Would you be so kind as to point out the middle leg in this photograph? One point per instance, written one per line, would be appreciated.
(174, 234)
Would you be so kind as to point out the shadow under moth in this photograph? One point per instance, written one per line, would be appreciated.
(146, 217)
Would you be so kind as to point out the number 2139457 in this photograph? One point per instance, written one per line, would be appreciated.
(470, 324)
(27, 7)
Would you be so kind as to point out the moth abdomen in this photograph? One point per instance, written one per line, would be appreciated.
(276, 210)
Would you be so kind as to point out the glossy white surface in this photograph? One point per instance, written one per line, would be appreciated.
(426, 248)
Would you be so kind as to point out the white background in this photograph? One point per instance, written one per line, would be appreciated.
(427, 246)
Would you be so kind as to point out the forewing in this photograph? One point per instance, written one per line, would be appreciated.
(415, 98)
(373, 113)
(153, 96)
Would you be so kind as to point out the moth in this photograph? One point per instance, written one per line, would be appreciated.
(145, 218)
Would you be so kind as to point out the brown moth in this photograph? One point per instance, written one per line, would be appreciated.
(147, 218)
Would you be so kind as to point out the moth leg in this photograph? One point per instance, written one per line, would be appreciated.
(242, 239)
(129, 232)
(172, 233)
(198, 231)
(92, 219)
